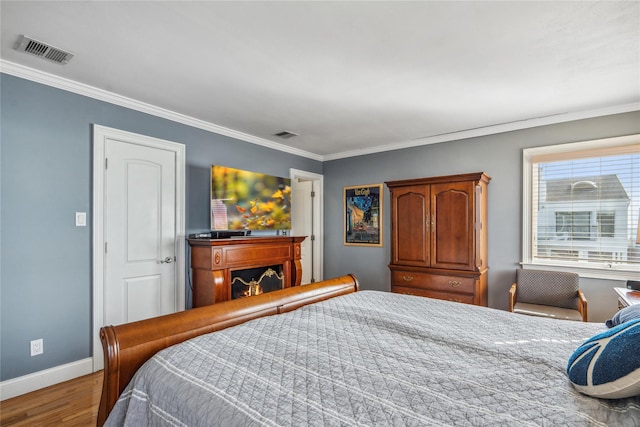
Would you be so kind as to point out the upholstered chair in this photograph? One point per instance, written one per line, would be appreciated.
(548, 294)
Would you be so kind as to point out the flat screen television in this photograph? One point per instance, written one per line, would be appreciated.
(246, 200)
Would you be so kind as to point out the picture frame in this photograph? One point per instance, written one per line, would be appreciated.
(362, 210)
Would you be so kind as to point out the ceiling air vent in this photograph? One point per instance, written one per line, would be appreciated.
(285, 134)
(37, 48)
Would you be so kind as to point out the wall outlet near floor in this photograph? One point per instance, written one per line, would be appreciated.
(37, 347)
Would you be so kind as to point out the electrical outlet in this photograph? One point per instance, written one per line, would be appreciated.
(37, 347)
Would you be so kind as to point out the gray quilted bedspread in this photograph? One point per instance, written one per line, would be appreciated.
(373, 359)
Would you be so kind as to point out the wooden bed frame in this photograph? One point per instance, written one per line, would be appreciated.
(126, 347)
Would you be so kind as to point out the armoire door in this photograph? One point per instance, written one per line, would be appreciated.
(410, 216)
(452, 215)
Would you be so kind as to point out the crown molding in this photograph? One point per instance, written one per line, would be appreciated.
(490, 130)
(110, 97)
(68, 85)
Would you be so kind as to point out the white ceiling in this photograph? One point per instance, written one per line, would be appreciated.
(348, 77)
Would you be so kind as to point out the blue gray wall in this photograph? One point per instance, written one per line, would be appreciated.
(498, 155)
(46, 156)
(45, 176)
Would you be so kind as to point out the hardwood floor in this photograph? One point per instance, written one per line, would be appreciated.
(71, 403)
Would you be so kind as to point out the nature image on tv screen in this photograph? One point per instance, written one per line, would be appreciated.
(245, 200)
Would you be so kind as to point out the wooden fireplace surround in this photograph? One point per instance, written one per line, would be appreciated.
(214, 260)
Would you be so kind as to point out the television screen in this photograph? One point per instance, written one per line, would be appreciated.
(245, 200)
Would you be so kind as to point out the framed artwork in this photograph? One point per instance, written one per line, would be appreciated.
(363, 215)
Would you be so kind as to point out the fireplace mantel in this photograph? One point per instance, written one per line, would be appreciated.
(213, 262)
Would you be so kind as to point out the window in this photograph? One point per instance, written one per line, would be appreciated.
(606, 224)
(581, 205)
(572, 225)
(577, 226)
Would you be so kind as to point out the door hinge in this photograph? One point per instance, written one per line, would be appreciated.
(105, 247)
(313, 193)
(313, 237)
(106, 163)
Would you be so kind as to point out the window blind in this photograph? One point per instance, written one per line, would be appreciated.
(586, 206)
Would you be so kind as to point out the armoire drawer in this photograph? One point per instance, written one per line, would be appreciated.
(434, 282)
(447, 296)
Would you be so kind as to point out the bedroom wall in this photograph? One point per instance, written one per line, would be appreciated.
(45, 178)
(500, 156)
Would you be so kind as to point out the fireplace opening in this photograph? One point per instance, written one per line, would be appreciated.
(255, 281)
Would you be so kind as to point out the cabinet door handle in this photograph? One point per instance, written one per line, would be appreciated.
(407, 278)
(454, 283)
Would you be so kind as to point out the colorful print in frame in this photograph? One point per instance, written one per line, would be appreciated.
(363, 215)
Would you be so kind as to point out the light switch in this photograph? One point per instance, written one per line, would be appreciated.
(81, 219)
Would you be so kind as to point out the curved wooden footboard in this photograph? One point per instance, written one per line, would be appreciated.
(126, 347)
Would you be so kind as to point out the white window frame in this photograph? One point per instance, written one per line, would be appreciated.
(604, 271)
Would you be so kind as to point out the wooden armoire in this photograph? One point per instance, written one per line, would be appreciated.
(439, 237)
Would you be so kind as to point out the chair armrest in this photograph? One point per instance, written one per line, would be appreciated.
(582, 306)
(512, 297)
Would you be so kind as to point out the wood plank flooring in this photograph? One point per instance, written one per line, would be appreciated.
(71, 403)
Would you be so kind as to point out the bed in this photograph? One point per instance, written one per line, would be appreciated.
(330, 354)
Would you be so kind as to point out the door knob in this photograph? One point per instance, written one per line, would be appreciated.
(167, 260)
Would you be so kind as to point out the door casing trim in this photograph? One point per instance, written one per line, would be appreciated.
(100, 135)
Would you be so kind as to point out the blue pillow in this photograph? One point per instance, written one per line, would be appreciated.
(607, 365)
(628, 313)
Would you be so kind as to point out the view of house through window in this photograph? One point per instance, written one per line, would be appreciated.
(585, 206)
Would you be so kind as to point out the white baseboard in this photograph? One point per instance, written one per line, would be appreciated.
(32, 382)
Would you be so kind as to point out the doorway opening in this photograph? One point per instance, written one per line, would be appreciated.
(307, 220)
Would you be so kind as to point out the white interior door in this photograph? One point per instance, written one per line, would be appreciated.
(138, 230)
(302, 223)
(306, 220)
